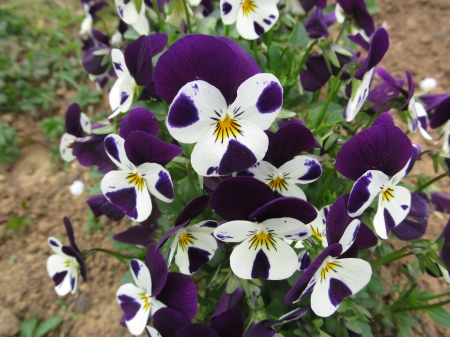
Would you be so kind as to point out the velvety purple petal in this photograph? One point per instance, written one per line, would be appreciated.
(415, 224)
(139, 119)
(289, 141)
(77, 255)
(158, 269)
(383, 147)
(366, 238)
(198, 57)
(316, 73)
(73, 125)
(135, 235)
(158, 42)
(362, 17)
(93, 63)
(169, 321)
(260, 330)
(142, 147)
(90, 151)
(298, 288)
(99, 36)
(316, 26)
(288, 207)
(228, 301)
(384, 118)
(99, 205)
(378, 48)
(337, 219)
(359, 40)
(445, 234)
(441, 202)
(433, 100)
(229, 324)
(441, 114)
(179, 293)
(138, 58)
(236, 198)
(70, 234)
(197, 329)
(192, 209)
(308, 4)
(445, 254)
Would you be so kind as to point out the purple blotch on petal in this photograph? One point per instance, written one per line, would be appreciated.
(124, 199)
(226, 8)
(314, 171)
(129, 306)
(267, 22)
(53, 243)
(261, 266)
(338, 291)
(258, 28)
(197, 258)
(111, 148)
(389, 220)
(123, 97)
(360, 193)
(59, 277)
(271, 98)
(135, 266)
(164, 185)
(72, 283)
(304, 261)
(237, 157)
(183, 112)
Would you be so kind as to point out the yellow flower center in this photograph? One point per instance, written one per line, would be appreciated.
(279, 183)
(263, 238)
(388, 194)
(186, 239)
(67, 263)
(329, 266)
(226, 128)
(316, 233)
(136, 180)
(248, 6)
(146, 299)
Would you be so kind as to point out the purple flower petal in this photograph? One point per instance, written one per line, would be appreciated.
(337, 219)
(158, 42)
(198, 57)
(193, 208)
(366, 238)
(316, 73)
(139, 119)
(378, 48)
(138, 58)
(384, 118)
(70, 234)
(195, 330)
(229, 301)
(289, 141)
(99, 205)
(383, 147)
(441, 114)
(415, 224)
(441, 202)
(158, 269)
(93, 63)
(90, 151)
(287, 207)
(261, 329)
(179, 293)
(308, 4)
(136, 235)
(229, 324)
(77, 255)
(142, 147)
(236, 198)
(316, 26)
(338, 291)
(169, 321)
(73, 125)
(362, 17)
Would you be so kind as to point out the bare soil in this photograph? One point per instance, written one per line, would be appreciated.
(34, 187)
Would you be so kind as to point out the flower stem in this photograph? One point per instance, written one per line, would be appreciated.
(398, 254)
(375, 116)
(119, 256)
(432, 181)
(330, 96)
(304, 57)
(188, 18)
(422, 307)
(255, 51)
(227, 30)
(158, 14)
(191, 179)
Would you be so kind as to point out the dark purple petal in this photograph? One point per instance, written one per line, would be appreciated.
(261, 329)
(441, 114)
(100, 37)
(70, 234)
(197, 258)
(308, 4)
(169, 321)
(73, 125)
(338, 291)
(298, 288)
(410, 93)
(142, 147)
(158, 42)
(129, 306)
(285, 207)
(362, 18)
(384, 118)
(445, 255)
(445, 234)
(359, 40)
(415, 224)
(77, 255)
(316, 26)
(288, 142)
(229, 301)
(366, 238)
(441, 202)
(136, 235)
(59, 277)
(125, 200)
(433, 100)
(164, 185)
(338, 219)
(378, 47)
(315, 74)
(261, 266)
(383, 147)
(304, 261)
(138, 57)
(229, 324)
(90, 151)
(139, 119)
(179, 293)
(236, 198)
(158, 269)
(198, 57)
(100, 205)
(167, 234)
(192, 209)
(93, 63)
(270, 99)
(196, 330)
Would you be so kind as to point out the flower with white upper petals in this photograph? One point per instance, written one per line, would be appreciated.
(128, 13)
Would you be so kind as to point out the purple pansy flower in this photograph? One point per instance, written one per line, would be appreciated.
(63, 267)
(440, 104)
(99, 205)
(441, 202)
(194, 245)
(155, 289)
(378, 158)
(388, 90)
(304, 6)
(317, 24)
(331, 277)
(416, 222)
(261, 224)
(280, 170)
(357, 10)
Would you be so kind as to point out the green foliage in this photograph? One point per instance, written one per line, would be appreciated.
(17, 223)
(8, 144)
(30, 327)
(53, 127)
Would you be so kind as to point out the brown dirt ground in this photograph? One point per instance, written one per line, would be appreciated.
(34, 187)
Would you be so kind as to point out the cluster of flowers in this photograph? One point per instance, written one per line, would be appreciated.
(225, 121)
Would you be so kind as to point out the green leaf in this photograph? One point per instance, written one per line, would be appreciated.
(48, 325)
(131, 34)
(104, 129)
(439, 315)
(120, 245)
(156, 108)
(299, 37)
(28, 326)
(286, 114)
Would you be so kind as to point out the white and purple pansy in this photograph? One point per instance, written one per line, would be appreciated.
(154, 289)
(194, 245)
(130, 15)
(363, 76)
(64, 266)
(228, 138)
(330, 277)
(356, 10)
(253, 17)
(141, 173)
(378, 158)
(260, 224)
(280, 170)
(444, 254)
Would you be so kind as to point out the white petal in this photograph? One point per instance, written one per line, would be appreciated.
(236, 231)
(152, 332)
(263, 171)
(141, 25)
(405, 170)
(258, 21)
(318, 229)
(156, 305)
(302, 170)
(115, 149)
(127, 88)
(55, 245)
(195, 111)
(141, 275)
(365, 190)
(287, 228)
(349, 236)
(393, 207)
(259, 100)
(130, 293)
(158, 181)
(203, 242)
(229, 11)
(85, 123)
(355, 103)
(212, 157)
(119, 65)
(292, 190)
(59, 264)
(73, 275)
(173, 248)
(127, 12)
(65, 151)
(114, 98)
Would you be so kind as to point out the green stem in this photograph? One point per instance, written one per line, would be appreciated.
(340, 33)
(316, 95)
(325, 185)
(438, 296)
(432, 181)
(255, 51)
(304, 57)
(375, 116)
(422, 307)
(158, 14)
(188, 18)
(191, 179)
(393, 256)
(227, 30)
(110, 252)
(330, 96)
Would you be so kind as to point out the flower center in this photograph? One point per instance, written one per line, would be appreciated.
(279, 183)
(387, 194)
(136, 180)
(329, 266)
(146, 298)
(248, 6)
(263, 238)
(227, 128)
(316, 233)
(186, 238)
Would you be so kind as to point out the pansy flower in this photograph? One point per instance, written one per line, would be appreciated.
(378, 158)
(330, 277)
(416, 222)
(357, 10)
(194, 245)
(304, 6)
(140, 159)
(363, 76)
(91, 7)
(253, 17)
(383, 95)
(63, 267)
(280, 170)
(260, 224)
(133, 68)
(440, 105)
(154, 289)
(130, 15)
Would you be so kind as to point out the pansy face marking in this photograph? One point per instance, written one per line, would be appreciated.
(248, 6)
(226, 127)
(279, 183)
(137, 180)
(186, 239)
(262, 238)
(328, 266)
